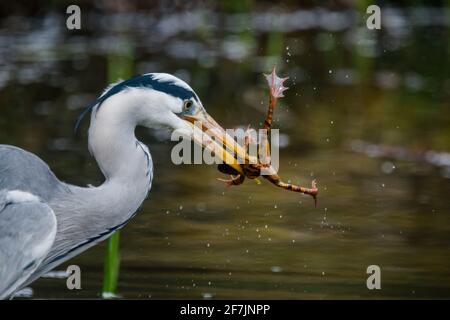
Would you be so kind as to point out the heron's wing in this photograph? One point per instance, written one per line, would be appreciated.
(27, 232)
(22, 170)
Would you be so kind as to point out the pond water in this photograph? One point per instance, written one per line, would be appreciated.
(367, 115)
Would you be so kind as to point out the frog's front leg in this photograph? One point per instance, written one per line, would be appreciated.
(234, 180)
(236, 177)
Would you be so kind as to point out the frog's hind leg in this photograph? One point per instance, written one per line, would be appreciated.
(313, 191)
(276, 89)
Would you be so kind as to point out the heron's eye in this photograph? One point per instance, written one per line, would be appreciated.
(187, 104)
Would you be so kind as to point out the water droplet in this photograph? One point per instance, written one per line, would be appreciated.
(207, 295)
(276, 269)
(387, 167)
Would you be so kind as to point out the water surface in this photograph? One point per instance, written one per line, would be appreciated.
(196, 238)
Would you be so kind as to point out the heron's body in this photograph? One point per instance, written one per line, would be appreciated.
(85, 216)
(44, 222)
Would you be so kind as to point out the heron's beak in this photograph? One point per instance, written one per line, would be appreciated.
(210, 135)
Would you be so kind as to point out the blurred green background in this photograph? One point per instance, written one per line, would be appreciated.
(367, 114)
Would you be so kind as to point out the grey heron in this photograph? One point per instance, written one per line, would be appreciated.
(44, 221)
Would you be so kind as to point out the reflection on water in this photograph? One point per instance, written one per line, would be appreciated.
(195, 238)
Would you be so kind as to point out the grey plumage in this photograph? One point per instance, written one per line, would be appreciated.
(27, 232)
(85, 216)
(34, 204)
(80, 211)
(22, 170)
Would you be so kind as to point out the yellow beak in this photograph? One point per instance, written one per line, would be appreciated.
(210, 135)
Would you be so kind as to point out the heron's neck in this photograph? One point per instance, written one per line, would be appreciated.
(93, 213)
(125, 162)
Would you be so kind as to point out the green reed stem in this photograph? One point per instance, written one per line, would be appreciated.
(112, 264)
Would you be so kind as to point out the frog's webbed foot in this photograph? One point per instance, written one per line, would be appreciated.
(276, 89)
(234, 180)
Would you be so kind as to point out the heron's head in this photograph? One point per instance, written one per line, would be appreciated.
(160, 100)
